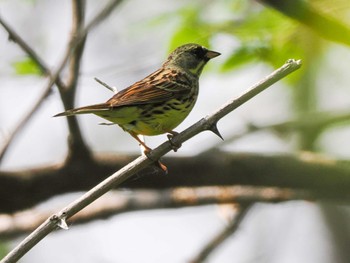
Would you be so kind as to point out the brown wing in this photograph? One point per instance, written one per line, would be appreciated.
(160, 86)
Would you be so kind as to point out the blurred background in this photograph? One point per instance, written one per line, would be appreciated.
(306, 112)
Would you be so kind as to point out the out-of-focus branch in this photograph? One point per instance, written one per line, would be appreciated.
(103, 14)
(229, 230)
(116, 202)
(14, 36)
(328, 178)
(76, 144)
(78, 7)
(336, 219)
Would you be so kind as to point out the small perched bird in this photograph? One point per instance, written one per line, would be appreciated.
(161, 101)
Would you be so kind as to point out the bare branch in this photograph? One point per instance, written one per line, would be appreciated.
(224, 234)
(116, 202)
(142, 162)
(103, 14)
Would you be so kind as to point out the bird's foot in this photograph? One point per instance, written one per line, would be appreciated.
(174, 146)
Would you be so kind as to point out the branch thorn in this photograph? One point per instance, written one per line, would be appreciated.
(62, 223)
(213, 128)
(106, 123)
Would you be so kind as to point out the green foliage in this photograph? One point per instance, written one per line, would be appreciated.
(190, 28)
(261, 33)
(328, 26)
(245, 54)
(26, 67)
(263, 36)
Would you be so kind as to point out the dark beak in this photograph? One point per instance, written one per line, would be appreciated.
(212, 54)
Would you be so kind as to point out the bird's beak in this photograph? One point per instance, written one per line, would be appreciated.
(212, 54)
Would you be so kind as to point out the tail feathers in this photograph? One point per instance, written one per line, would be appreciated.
(84, 110)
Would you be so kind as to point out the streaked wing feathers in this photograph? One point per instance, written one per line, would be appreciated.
(162, 85)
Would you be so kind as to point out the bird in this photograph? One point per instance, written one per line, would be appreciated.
(158, 103)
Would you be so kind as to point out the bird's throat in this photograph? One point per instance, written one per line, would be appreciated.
(198, 69)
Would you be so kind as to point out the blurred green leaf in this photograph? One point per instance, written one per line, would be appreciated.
(261, 33)
(26, 67)
(245, 54)
(191, 28)
(325, 25)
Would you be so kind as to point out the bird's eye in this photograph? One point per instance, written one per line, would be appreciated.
(199, 52)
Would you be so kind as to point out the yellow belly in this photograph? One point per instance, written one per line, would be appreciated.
(148, 119)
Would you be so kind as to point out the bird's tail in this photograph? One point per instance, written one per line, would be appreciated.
(84, 110)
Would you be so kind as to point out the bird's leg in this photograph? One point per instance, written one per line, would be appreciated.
(170, 136)
(142, 143)
(147, 151)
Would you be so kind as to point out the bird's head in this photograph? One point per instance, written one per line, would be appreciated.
(191, 58)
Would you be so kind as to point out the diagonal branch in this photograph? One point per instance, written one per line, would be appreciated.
(207, 123)
(224, 234)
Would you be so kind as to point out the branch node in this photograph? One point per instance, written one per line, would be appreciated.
(54, 218)
(292, 61)
(60, 220)
(174, 145)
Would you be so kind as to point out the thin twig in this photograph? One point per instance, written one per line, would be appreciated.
(113, 89)
(207, 123)
(224, 234)
(103, 14)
